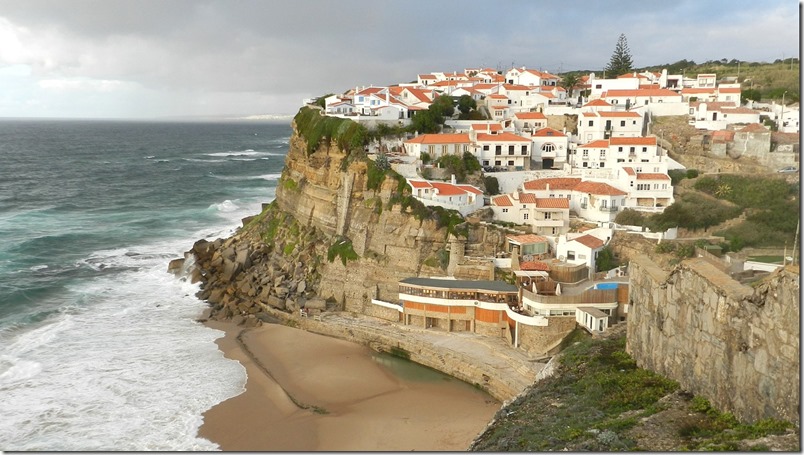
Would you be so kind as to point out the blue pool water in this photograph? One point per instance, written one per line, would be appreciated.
(606, 285)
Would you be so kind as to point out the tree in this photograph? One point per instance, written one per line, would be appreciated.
(621, 61)
(466, 103)
(443, 106)
(569, 81)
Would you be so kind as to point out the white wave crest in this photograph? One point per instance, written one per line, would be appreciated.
(13, 369)
(225, 206)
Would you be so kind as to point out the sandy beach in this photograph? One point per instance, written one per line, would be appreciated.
(308, 392)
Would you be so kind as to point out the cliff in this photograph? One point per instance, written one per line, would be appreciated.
(339, 233)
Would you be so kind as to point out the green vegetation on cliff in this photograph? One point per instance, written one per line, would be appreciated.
(598, 400)
(314, 127)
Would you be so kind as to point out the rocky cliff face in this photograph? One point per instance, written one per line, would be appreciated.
(328, 242)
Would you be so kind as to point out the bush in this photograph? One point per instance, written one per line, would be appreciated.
(492, 185)
(315, 127)
(342, 247)
(630, 217)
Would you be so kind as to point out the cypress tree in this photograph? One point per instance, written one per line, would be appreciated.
(621, 61)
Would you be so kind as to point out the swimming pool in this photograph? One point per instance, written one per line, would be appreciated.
(606, 285)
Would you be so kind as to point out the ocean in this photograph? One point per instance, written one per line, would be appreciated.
(99, 348)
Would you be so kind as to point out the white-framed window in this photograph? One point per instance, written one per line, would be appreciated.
(505, 210)
(524, 216)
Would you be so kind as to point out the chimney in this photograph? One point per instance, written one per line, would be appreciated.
(452, 179)
(548, 188)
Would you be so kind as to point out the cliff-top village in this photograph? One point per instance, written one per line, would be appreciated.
(550, 173)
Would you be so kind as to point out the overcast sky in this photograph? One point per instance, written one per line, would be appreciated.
(153, 59)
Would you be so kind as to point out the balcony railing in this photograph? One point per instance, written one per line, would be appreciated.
(613, 208)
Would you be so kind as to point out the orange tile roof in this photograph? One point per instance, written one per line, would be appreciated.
(549, 132)
(729, 90)
(597, 102)
(485, 86)
(505, 136)
(633, 140)
(556, 183)
(534, 266)
(713, 105)
(552, 203)
(527, 198)
(530, 116)
(629, 170)
(455, 138)
(598, 188)
(652, 176)
(447, 189)
(695, 91)
(598, 144)
(515, 87)
(420, 94)
(723, 136)
(419, 184)
(470, 189)
(502, 201)
(739, 110)
(427, 76)
(526, 238)
(589, 241)
(487, 126)
(498, 97)
(631, 76)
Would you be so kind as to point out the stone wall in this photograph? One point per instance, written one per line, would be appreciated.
(735, 345)
(541, 340)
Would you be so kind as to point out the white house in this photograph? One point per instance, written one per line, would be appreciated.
(647, 191)
(530, 77)
(593, 125)
(582, 249)
(547, 216)
(438, 145)
(504, 149)
(529, 121)
(641, 97)
(550, 147)
(463, 198)
(597, 201)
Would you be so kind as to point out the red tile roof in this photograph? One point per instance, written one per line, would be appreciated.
(695, 91)
(618, 114)
(526, 238)
(454, 138)
(599, 188)
(552, 203)
(548, 132)
(729, 90)
(598, 144)
(487, 126)
(527, 198)
(589, 241)
(652, 176)
(633, 140)
(502, 201)
(531, 266)
(556, 183)
(629, 170)
(447, 189)
(515, 87)
(530, 116)
(419, 184)
(597, 102)
(470, 189)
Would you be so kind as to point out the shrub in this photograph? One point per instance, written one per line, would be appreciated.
(342, 247)
(315, 127)
(630, 217)
(492, 185)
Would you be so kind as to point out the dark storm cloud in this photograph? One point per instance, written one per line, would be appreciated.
(281, 51)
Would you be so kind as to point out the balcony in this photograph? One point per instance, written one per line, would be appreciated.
(613, 208)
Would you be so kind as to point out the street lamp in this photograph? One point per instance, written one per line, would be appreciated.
(781, 116)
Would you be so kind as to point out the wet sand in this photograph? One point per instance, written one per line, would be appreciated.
(308, 392)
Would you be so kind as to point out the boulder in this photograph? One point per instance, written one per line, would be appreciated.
(301, 287)
(315, 304)
(276, 302)
(175, 266)
(242, 258)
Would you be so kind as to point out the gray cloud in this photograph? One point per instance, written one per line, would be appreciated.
(247, 56)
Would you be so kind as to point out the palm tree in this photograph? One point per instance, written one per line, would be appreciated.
(569, 81)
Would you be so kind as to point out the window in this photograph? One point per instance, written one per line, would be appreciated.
(505, 210)
(524, 216)
(585, 153)
(570, 255)
(619, 149)
(510, 149)
(604, 203)
(664, 186)
(585, 164)
(548, 147)
(554, 231)
(548, 215)
(639, 169)
(510, 162)
(497, 163)
(622, 123)
(524, 149)
(591, 123)
(620, 160)
(485, 162)
(632, 150)
(644, 149)
(643, 186)
(552, 195)
(598, 86)
(486, 147)
(498, 150)
(602, 154)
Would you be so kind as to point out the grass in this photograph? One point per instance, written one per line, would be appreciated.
(580, 407)
(767, 259)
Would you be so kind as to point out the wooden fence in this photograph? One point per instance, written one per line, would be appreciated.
(569, 273)
(588, 296)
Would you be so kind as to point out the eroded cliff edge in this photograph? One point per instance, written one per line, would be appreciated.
(331, 240)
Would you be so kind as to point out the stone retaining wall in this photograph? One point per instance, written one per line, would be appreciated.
(735, 345)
